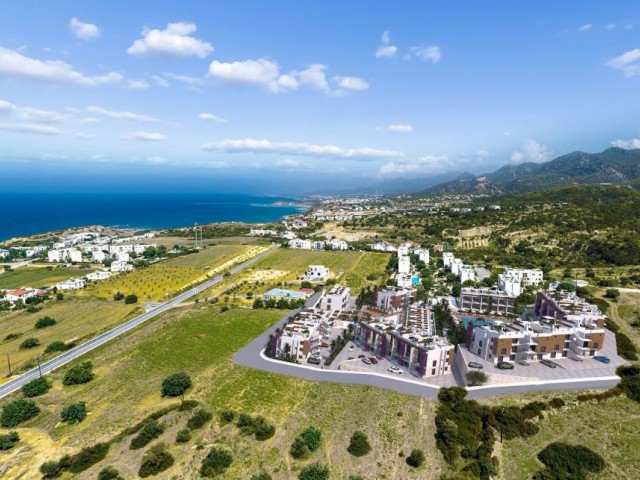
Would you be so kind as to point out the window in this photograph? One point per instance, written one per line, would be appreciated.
(596, 345)
(556, 347)
(435, 362)
(543, 349)
(433, 372)
(503, 351)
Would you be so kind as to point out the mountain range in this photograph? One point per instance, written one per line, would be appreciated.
(614, 165)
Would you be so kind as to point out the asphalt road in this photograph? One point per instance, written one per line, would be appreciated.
(66, 357)
(250, 357)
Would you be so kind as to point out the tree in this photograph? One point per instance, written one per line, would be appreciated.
(130, 299)
(416, 458)
(29, 343)
(216, 462)
(312, 438)
(156, 460)
(78, 374)
(109, 473)
(564, 461)
(315, 471)
(359, 444)
(118, 296)
(59, 296)
(18, 411)
(45, 322)
(149, 431)
(258, 303)
(476, 377)
(199, 418)
(612, 293)
(183, 435)
(176, 384)
(9, 440)
(74, 413)
(299, 449)
(36, 387)
(50, 469)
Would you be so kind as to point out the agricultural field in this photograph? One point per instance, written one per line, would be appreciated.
(610, 428)
(77, 319)
(200, 341)
(165, 279)
(39, 276)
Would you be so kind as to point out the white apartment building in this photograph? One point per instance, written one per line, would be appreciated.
(72, 284)
(383, 247)
(337, 244)
(316, 273)
(423, 254)
(393, 298)
(259, 232)
(514, 280)
(123, 256)
(98, 256)
(467, 273)
(298, 243)
(98, 275)
(300, 338)
(447, 258)
(404, 264)
(64, 255)
(119, 266)
(335, 299)
(318, 245)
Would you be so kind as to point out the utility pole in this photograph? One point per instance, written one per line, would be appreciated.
(9, 363)
(39, 368)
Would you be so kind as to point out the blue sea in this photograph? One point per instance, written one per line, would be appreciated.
(30, 213)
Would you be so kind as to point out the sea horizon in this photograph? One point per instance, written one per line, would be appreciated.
(25, 214)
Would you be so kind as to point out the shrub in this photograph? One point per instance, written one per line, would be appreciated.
(87, 457)
(59, 296)
(36, 387)
(227, 416)
(359, 444)
(118, 296)
(45, 322)
(299, 449)
(13, 336)
(356, 477)
(183, 435)
(175, 385)
(216, 462)
(199, 418)
(109, 473)
(9, 440)
(74, 413)
(50, 469)
(416, 458)
(186, 405)
(533, 409)
(149, 431)
(18, 411)
(78, 374)
(58, 346)
(263, 429)
(244, 421)
(475, 378)
(29, 343)
(315, 471)
(557, 403)
(156, 460)
(261, 476)
(312, 437)
(130, 299)
(562, 460)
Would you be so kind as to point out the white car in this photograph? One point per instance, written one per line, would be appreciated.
(352, 348)
(394, 370)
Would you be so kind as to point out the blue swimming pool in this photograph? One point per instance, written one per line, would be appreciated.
(477, 322)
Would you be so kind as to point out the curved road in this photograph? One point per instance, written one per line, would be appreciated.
(66, 357)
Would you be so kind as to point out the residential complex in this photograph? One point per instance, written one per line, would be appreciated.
(336, 299)
(487, 300)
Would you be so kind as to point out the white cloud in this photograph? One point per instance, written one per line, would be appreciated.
(628, 62)
(145, 136)
(161, 82)
(411, 166)
(431, 53)
(90, 120)
(610, 26)
(83, 30)
(398, 128)
(212, 118)
(16, 65)
(313, 76)
(386, 50)
(531, 151)
(172, 41)
(84, 136)
(30, 114)
(250, 145)
(187, 79)
(351, 83)
(585, 27)
(137, 84)
(133, 117)
(29, 128)
(482, 153)
(156, 160)
(627, 144)
(261, 72)
(7, 107)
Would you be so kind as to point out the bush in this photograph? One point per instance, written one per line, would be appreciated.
(58, 346)
(149, 431)
(13, 336)
(227, 416)
(118, 296)
(315, 471)
(359, 444)
(156, 460)
(299, 449)
(59, 296)
(199, 419)
(78, 374)
(50, 469)
(130, 299)
(186, 405)
(9, 440)
(416, 458)
(262, 476)
(612, 293)
(36, 387)
(29, 343)
(557, 403)
(87, 457)
(109, 473)
(216, 462)
(74, 413)
(45, 322)
(18, 411)
(562, 460)
(475, 378)
(175, 385)
(312, 437)
(183, 435)
(533, 409)
(263, 429)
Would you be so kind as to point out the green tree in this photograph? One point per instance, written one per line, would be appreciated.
(29, 343)
(74, 413)
(315, 471)
(156, 460)
(359, 444)
(130, 299)
(176, 384)
(149, 431)
(416, 458)
(50, 469)
(36, 387)
(109, 473)
(216, 462)
(9, 440)
(184, 435)
(17, 412)
(78, 374)
(476, 377)
(45, 322)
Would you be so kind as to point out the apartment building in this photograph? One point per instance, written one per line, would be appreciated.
(404, 264)
(98, 275)
(335, 299)
(487, 300)
(316, 273)
(302, 336)
(422, 354)
(514, 280)
(392, 298)
(72, 284)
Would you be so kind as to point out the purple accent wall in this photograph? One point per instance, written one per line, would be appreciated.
(383, 346)
(422, 362)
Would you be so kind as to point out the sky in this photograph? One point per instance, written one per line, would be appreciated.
(291, 97)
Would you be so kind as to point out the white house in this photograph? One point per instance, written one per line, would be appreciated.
(123, 256)
(4, 253)
(13, 296)
(71, 284)
(98, 275)
(335, 299)
(337, 244)
(423, 254)
(260, 232)
(140, 249)
(98, 256)
(318, 245)
(120, 266)
(404, 264)
(298, 243)
(316, 272)
(383, 247)
(447, 258)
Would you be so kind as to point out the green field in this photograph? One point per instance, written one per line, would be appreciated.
(209, 257)
(77, 319)
(200, 341)
(39, 277)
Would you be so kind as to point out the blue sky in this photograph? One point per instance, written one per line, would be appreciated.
(290, 96)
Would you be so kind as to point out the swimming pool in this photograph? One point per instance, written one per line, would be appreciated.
(476, 322)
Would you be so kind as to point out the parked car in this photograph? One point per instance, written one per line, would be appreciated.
(505, 365)
(602, 359)
(474, 365)
(361, 356)
(374, 360)
(366, 361)
(314, 360)
(324, 345)
(548, 363)
(393, 369)
(351, 348)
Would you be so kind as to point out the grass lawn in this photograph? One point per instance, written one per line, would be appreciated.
(77, 319)
(39, 277)
(200, 341)
(626, 313)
